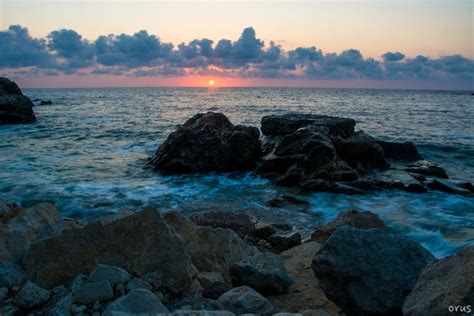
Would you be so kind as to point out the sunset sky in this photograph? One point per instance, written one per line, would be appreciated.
(332, 43)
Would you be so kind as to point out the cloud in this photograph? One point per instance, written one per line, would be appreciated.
(145, 55)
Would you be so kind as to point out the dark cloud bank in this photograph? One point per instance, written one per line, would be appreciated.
(141, 54)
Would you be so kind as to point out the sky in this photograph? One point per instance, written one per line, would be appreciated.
(329, 43)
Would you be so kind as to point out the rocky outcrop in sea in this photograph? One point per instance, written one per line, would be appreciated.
(15, 108)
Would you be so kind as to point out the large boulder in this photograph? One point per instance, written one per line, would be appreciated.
(14, 106)
(136, 302)
(208, 142)
(140, 243)
(446, 286)
(400, 151)
(243, 300)
(369, 271)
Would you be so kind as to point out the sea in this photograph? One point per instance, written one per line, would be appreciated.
(87, 151)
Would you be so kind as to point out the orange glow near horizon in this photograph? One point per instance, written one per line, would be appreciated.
(212, 82)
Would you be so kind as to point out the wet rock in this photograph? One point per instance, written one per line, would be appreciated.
(208, 278)
(287, 200)
(447, 283)
(361, 152)
(400, 151)
(415, 188)
(136, 302)
(137, 283)
(46, 102)
(11, 275)
(288, 123)
(120, 290)
(263, 231)
(3, 295)
(265, 273)
(281, 241)
(31, 295)
(243, 299)
(364, 220)
(449, 186)
(114, 275)
(216, 289)
(208, 142)
(329, 186)
(15, 108)
(304, 294)
(427, 169)
(239, 222)
(155, 248)
(90, 292)
(211, 249)
(369, 271)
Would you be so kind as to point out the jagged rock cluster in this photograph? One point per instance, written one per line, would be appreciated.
(311, 152)
(166, 264)
(15, 108)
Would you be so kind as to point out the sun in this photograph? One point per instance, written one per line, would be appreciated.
(212, 82)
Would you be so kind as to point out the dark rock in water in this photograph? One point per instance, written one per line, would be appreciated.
(31, 295)
(265, 273)
(46, 102)
(400, 151)
(287, 200)
(91, 292)
(369, 271)
(415, 188)
(216, 289)
(263, 231)
(141, 243)
(427, 169)
(450, 186)
(15, 108)
(361, 152)
(136, 302)
(282, 242)
(289, 123)
(447, 283)
(363, 220)
(244, 300)
(329, 186)
(208, 142)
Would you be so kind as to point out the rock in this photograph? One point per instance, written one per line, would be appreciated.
(137, 283)
(11, 275)
(155, 279)
(96, 306)
(104, 220)
(415, 188)
(155, 248)
(288, 123)
(3, 295)
(400, 151)
(304, 294)
(201, 313)
(206, 279)
(329, 186)
(243, 299)
(31, 295)
(90, 292)
(4, 208)
(364, 220)
(361, 152)
(114, 275)
(216, 289)
(211, 249)
(46, 102)
(265, 273)
(15, 108)
(239, 222)
(263, 231)
(208, 142)
(369, 271)
(428, 169)
(287, 200)
(120, 290)
(30, 225)
(136, 302)
(281, 242)
(445, 286)
(448, 186)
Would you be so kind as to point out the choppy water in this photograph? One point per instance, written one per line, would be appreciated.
(86, 153)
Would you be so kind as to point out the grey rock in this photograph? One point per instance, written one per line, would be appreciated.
(208, 142)
(282, 241)
(15, 108)
(63, 307)
(31, 295)
(216, 289)
(90, 292)
(114, 275)
(120, 290)
(243, 299)
(369, 271)
(154, 245)
(447, 282)
(136, 302)
(11, 275)
(3, 294)
(136, 283)
(265, 273)
(96, 306)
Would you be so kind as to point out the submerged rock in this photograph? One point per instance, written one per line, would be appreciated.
(427, 169)
(142, 243)
(446, 286)
(136, 302)
(369, 271)
(450, 186)
(15, 108)
(244, 300)
(208, 142)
